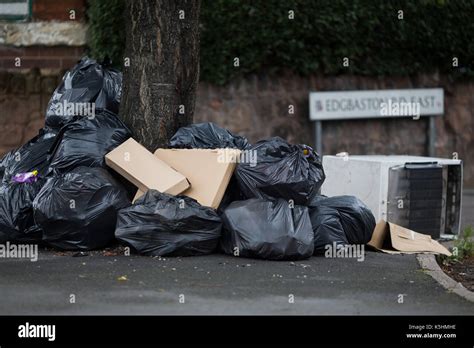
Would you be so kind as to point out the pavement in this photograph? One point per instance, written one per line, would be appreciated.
(218, 284)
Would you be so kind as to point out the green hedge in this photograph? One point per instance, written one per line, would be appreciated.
(106, 34)
(321, 34)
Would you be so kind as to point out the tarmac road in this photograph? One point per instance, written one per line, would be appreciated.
(219, 284)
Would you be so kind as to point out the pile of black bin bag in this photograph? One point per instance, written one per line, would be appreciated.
(271, 208)
(73, 202)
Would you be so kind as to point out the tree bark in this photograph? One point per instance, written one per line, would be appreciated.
(159, 85)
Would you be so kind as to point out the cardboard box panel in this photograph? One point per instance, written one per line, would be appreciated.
(208, 171)
(394, 239)
(139, 166)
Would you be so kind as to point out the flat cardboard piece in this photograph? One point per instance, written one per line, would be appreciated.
(208, 171)
(394, 239)
(139, 166)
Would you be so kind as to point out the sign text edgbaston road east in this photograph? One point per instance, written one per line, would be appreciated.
(368, 104)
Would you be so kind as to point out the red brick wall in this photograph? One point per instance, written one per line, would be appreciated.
(54, 57)
(48, 10)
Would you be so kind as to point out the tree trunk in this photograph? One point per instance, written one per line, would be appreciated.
(159, 87)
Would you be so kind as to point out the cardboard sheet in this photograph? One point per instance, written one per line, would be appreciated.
(208, 171)
(139, 166)
(394, 239)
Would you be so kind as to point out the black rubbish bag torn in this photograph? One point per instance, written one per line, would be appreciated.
(355, 217)
(85, 89)
(207, 136)
(16, 212)
(159, 224)
(31, 156)
(281, 170)
(272, 230)
(85, 142)
(327, 228)
(78, 210)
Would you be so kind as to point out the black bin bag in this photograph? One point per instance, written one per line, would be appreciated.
(29, 157)
(282, 170)
(159, 224)
(327, 228)
(264, 229)
(78, 210)
(355, 217)
(87, 84)
(85, 141)
(207, 136)
(16, 212)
